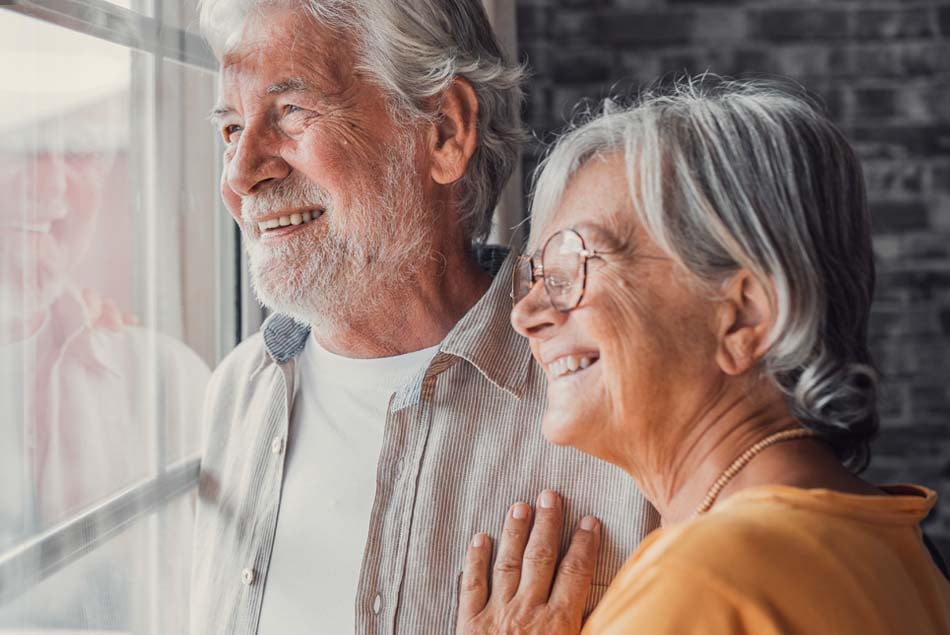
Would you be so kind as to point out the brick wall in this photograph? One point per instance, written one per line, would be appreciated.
(883, 71)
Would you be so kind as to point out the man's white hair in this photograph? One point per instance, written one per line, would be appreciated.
(414, 49)
(729, 175)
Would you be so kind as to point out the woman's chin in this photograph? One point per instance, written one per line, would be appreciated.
(559, 428)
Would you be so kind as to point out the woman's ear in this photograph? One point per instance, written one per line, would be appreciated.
(745, 318)
(454, 133)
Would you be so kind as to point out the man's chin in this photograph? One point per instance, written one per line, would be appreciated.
(280, 299)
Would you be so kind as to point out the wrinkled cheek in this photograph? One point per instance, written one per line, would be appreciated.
(231, 199)
(624, 363)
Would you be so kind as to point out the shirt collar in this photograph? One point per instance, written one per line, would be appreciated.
(284, 337)
(484, 337)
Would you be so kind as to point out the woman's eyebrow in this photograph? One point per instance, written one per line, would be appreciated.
(600, 233)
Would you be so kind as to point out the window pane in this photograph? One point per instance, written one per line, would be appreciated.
(97, 211)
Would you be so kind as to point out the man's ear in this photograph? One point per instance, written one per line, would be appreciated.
(745, 318)
(454, 134)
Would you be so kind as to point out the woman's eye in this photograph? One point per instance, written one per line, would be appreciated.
(290, 109)
(559, 284)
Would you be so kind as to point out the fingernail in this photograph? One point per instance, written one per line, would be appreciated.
(519, 511)
(547, 500)
(478, 540)
(588, 523)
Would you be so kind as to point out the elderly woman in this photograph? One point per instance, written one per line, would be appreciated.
(698, 296)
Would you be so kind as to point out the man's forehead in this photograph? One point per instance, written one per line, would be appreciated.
(289, 34)
(275, 60)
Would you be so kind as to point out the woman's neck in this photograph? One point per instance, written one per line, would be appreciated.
(704, 447)
(808, 463)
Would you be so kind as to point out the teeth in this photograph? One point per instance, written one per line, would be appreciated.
(297, 218)
(569, 364)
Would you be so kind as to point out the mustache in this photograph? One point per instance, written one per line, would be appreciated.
(295, 193)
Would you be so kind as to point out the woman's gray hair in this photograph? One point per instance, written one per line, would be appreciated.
(729, 175)
(414, 49)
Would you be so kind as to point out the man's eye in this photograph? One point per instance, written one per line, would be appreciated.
(290, 109)
(230, 132)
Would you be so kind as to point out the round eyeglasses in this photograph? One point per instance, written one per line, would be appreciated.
(562, 264)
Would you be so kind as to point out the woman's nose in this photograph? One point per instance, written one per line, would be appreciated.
(534, 314)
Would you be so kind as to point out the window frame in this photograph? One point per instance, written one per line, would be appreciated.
(236, 314)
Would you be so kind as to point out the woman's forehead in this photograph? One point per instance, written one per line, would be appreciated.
(596, 203)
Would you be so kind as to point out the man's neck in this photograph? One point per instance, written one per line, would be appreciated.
(417, 315)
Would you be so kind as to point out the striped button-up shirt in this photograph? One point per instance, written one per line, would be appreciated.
(462, 441)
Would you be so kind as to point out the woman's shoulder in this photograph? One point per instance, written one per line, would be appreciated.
(763, 525)
(773, 554)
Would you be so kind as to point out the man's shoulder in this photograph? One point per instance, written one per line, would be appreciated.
(242, 361)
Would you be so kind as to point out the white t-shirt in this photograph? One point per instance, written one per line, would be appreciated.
(336, 431)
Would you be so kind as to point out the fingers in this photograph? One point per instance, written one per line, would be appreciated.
(104, 313)
(473, 592)
(576, 573)
(93, 303)
(541, 554)
(111, 316)
(507, 573)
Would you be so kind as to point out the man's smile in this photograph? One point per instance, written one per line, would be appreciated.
(289, 219)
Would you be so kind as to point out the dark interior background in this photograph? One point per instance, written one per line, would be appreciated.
(882, 68)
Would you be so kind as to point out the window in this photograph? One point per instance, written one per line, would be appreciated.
(108, 197)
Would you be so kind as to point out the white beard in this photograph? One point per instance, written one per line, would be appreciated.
(29, 281)
(347, 269)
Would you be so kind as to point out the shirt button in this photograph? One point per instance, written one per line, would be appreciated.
(277, 445)
(377, 604)
(247, 577)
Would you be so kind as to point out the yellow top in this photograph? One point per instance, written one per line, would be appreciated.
(778, 559)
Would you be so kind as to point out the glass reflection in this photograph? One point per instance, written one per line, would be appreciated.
(90, 403)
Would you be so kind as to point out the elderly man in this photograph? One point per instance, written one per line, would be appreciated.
(387, 397)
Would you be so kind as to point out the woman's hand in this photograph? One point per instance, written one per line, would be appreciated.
(522, 599)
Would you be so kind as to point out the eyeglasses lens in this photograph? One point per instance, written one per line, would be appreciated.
(563, 269)
(521, 279)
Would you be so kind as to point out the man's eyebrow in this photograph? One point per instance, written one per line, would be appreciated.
(292, 85)
(219, 112)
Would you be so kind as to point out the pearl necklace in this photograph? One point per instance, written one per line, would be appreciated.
(743, 460)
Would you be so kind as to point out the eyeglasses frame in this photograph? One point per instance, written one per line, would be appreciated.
(537, 269)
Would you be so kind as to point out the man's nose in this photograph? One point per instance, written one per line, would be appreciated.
(256, 162)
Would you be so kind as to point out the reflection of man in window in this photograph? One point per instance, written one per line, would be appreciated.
(81, 398)
(387, 410)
